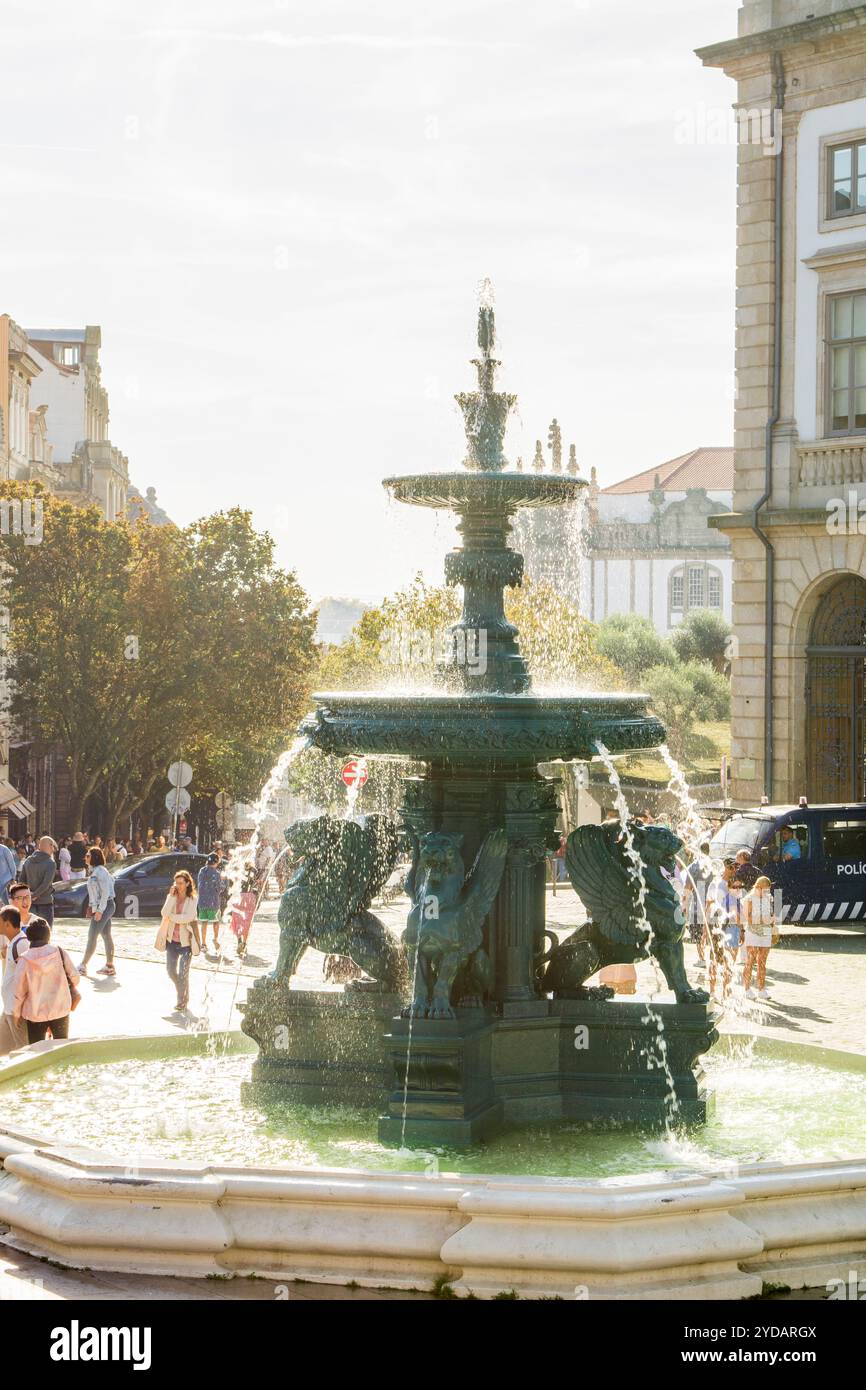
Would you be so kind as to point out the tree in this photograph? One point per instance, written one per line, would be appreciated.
(65, 598)
(632, 643)
(684, 695)
(703, 635)
(133, 644)
(253, 645)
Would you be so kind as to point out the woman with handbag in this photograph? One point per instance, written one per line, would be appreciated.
(760, 930)
(178, 935)
(100, 910)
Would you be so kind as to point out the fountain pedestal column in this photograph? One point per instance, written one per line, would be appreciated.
(471, 802)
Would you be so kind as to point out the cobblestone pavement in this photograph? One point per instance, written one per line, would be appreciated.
(816, 978)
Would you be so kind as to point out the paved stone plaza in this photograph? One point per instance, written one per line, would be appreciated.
(816, 979)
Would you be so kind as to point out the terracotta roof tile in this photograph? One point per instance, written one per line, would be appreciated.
(712, 469)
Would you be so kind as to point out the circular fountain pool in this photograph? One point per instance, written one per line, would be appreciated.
(199, 1108)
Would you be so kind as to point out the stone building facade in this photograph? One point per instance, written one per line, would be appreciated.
(641, 545)
(797, 536)
(69, 389)
(648, 548)
(54, 428)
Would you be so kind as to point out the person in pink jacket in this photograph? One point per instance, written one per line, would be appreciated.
(45, 985)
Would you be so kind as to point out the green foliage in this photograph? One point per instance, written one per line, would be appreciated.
(441, 1288)
(560, 646)
(131, 644)
(316, 776)
(398, 641)
(712, 691)
(702, 636)
(632, 643)
(684, 695)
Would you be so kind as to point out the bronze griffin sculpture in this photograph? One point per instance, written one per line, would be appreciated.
(339, 868)
(620, 930)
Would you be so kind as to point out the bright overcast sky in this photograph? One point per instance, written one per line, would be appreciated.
(279, 214)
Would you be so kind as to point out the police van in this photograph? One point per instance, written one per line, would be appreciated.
(815, 857)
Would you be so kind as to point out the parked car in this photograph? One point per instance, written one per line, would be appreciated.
(140, 888)
(823, 879)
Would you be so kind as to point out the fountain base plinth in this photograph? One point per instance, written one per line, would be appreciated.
(320, 1046)
(442, 1082)
(453, 1083)
(591, 1061)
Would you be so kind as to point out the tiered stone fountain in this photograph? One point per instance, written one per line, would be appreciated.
(504, 1051)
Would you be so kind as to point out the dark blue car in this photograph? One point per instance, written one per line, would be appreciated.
(140, 888)
(814, 855)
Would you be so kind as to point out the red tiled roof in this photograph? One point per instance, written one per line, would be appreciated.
(712, 469)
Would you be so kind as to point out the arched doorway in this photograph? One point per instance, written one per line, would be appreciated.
(836, 719)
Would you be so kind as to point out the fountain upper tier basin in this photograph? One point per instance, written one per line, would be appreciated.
(484, 490)
(481, 729)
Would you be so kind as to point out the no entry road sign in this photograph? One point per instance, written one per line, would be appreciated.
(355, 773)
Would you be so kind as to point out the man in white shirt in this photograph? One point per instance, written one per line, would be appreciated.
(13, 942)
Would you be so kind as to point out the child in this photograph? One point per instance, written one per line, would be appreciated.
(244, 909)
(758, 921)
(45, 986)
(210, 887)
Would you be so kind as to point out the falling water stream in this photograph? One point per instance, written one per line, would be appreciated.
(657, 1056)
(240, 860)
(412, 997)
(694, 831)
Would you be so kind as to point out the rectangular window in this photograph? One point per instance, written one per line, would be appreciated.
(845, 839)
(677, 593)
(846, 176)
(714, 596)
(696, 587)
(847, 364)
(788, 844)
(66, 356)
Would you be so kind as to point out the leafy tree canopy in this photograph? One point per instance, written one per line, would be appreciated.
(131, 644)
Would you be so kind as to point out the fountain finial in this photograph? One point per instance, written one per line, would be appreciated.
(486, 319)
(485, 411)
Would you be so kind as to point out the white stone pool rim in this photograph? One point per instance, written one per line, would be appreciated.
(683, 1236)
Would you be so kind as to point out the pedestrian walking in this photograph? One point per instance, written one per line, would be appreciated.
(723, 929)
(696, 880)
(100, 909)
(45, 989)
(8, 870)
(265, 856)
(39, 871)
(178, 935)
(210, 891)
(759, 924)
(13, 1031)
(747, 873)
(78, 856)
(64, 860)
(244, 909)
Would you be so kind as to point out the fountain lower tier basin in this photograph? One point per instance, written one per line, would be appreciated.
(482, 730)
(161, 1155)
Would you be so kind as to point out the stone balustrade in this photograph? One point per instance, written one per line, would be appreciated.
(831, 463)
